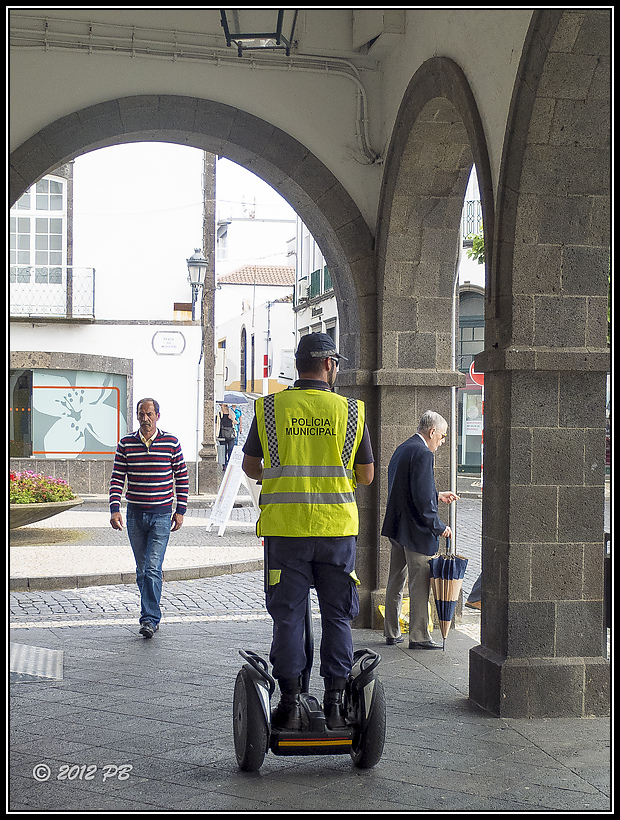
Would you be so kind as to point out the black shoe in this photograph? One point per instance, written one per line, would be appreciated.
(287, 714)
(393, 641)
(148, 629)
(424, 645)
(333, 706)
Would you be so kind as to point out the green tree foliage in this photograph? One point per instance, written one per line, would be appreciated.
(477, 249)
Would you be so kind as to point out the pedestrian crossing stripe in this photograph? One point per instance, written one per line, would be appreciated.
(36, 661)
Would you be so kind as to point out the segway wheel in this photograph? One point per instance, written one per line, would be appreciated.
(249, 726)
(368, 743)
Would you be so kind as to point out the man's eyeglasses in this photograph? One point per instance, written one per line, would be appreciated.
(442, 435)
(335, 361)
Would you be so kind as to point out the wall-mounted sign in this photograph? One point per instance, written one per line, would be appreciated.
(168, 343)
(477, 378)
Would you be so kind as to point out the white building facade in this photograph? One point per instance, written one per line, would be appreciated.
(88, 342)
(255, 327)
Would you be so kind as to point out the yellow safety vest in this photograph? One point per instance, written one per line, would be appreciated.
(309, 440)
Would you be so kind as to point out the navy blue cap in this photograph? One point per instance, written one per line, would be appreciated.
(317, 346)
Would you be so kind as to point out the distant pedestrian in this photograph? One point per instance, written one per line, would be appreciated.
(413, 526)
(152, 463)
(237, 421)
(227, 433)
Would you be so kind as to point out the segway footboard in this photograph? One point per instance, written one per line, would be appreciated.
(314, 738)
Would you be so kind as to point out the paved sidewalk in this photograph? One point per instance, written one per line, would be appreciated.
(78, 548)
(103, 720)
(138, 725)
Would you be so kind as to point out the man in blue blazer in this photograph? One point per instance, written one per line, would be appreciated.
(413, 526)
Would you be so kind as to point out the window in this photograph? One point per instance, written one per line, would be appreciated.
(315, 283)
(19, 253)
(222, 240)
(66, 413)
(243, 379)
(38, 241)
(49, 195)
(327, 280)
(20, 414)
(471, 328)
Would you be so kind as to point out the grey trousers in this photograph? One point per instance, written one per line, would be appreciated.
(403, 563)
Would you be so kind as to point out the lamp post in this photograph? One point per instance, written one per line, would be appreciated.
(201, 277)
(197, 267)
(252, 29)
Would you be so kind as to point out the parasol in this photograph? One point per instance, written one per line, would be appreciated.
(233, 398)
(447, 572)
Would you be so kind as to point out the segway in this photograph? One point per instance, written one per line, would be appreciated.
(364, 700)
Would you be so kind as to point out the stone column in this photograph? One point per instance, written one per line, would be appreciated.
(208, 473)
(543, 647)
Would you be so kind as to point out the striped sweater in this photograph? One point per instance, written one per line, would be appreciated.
(150, 473)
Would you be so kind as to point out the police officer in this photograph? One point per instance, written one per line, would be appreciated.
(310, 447)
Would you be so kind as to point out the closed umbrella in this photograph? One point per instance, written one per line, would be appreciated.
(447, 572)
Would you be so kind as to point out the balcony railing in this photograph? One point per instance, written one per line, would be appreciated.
(472, 217)
(54, 291)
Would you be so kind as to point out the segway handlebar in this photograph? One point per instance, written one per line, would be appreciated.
(260, 665)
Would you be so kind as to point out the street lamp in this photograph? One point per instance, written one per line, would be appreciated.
(197, 266)
(252, 29)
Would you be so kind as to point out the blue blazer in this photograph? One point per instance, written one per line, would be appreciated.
(411, 516)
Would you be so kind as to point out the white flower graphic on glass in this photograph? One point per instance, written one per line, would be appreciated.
(78, 409)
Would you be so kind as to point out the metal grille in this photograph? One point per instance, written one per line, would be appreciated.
(67, 292)
(472, 217)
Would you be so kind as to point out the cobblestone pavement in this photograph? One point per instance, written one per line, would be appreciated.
(199, 599)
(222, 596)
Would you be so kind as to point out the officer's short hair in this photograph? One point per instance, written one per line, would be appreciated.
(307, 365)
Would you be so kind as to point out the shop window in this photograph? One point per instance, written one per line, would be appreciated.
(70, 414)
(20, 414)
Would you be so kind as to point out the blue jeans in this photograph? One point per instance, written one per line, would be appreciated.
(148, 532)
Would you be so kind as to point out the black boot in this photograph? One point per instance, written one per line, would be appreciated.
(287, 714)
(333, 703)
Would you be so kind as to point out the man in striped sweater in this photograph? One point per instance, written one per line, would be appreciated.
(153, 464)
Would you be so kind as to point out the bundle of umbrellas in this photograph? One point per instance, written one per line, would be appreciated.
(447, 572)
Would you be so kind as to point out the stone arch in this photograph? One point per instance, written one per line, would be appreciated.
(275, 156)
(291, 169)
(545, 362)
(437, 137)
